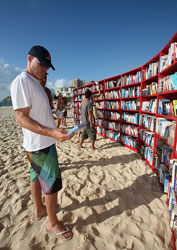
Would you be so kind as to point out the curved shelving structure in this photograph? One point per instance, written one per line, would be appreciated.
(139, 109)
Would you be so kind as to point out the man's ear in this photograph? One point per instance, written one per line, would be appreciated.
(30, 58)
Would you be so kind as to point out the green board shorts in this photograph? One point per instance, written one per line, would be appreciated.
(89, 133)
(45, 169)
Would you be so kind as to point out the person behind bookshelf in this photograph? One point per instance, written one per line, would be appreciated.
(88, 120)
(92, 100)
(80, 106)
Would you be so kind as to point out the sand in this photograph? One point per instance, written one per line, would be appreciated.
(110, 198)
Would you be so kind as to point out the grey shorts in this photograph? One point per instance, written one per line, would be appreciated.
(89, 133)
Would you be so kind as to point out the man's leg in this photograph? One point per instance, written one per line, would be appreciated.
(93, 144)
(54, 225)
(40, 209)
(84, 136)
(81, 142)
(92, 136)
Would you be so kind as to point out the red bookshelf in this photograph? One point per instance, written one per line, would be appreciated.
(136, 108)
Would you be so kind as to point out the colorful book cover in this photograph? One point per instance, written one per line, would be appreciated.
(173, 79)
(175, 107)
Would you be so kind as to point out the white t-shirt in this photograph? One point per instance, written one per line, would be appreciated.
(26, 91)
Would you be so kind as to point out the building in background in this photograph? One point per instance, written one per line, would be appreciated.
(68, 91)
(64, 91)
(77, 83)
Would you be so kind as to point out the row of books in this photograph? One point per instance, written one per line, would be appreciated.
(130, 141)
(146, 152)
(148, 121)
(100, 130)
(166, 129)
(147, 137)
(130, 105)
(112, 115)
(100, 113)
(164, 151)
(171, 57)
(113, 135)
(149, 106)
(112, 125)
(112, 94)
(130, 129)
(113, 83)
(167, 107)
(168, 83)
(100, 105)
(100, 122)
(128, 79)
(150, 71)
(133, 118)
(112, 105)
(172, 193)
(131, 92)
(150, 89)
(95, 87)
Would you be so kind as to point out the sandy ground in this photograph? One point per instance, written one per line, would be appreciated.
(110, 198)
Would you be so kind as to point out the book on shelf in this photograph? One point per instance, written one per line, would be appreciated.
(166, 180)
(166, 154)
(159, 147)
(148, 121)
(174, 175)
(163, 62)
(168, 83)
(172, 200)
(164, 107)
(175, 107)
(149, 106)
(171, 57)
(154, 88)
(173, 221)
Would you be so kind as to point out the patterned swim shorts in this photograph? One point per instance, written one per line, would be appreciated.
(45, 169)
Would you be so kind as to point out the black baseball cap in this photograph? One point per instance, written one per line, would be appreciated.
(42, 55)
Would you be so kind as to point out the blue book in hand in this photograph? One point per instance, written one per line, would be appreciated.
(77, 128)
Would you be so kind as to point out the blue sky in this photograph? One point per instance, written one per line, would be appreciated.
(92, 40)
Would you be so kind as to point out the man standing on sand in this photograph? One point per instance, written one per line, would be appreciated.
(34, 115)
(88, 119)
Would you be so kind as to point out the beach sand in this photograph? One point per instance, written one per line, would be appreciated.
(110, 198)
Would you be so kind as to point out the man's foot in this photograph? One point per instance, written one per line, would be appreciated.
(42, 213)
(60, 231)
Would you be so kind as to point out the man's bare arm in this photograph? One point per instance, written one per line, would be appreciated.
(23, 119)
(90, 116)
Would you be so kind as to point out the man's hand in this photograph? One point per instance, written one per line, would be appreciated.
(61, 135)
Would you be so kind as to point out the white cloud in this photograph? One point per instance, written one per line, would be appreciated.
(7, 74)
(62, 83)
(59, 83)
